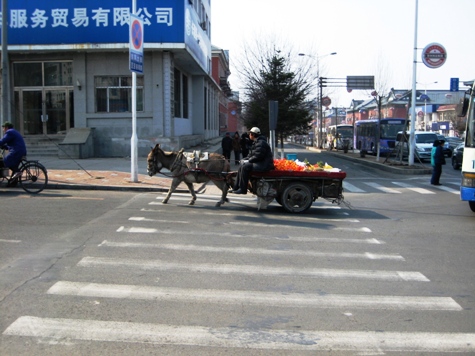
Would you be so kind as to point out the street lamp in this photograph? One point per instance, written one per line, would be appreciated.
(425, 98)
(320, 111)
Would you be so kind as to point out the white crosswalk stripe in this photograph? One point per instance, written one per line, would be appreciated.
(351, 188)
(414, 189)
(383, 188)
(230, 337)
(82, 289)
(158, 265)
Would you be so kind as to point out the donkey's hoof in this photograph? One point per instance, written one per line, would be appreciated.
(164, 201)
(191, 202)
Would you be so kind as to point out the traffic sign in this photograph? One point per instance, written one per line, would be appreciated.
(454, 84)
(360, 82)
(136, 44)
(326, 101)
(434, 55)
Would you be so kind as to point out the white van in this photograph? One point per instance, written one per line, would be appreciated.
(424, 143)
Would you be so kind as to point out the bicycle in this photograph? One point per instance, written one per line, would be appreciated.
(32, 176)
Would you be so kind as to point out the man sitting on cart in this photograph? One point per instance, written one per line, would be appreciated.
(14, 143)
(260, 159)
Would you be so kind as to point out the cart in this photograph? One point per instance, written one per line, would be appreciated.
(296, 190)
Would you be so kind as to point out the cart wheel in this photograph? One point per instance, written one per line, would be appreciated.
(297, 198)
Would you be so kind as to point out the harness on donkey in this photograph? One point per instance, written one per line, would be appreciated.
(191, 167)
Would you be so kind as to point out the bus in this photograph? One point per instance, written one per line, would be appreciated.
(467, 189)
(366, 134)
(337, 134)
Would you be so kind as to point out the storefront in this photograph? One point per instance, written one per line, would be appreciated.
(69, 67)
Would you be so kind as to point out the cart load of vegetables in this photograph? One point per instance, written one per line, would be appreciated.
(305, 166)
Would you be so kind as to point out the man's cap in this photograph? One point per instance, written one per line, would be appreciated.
(255, 130)
(7, 124)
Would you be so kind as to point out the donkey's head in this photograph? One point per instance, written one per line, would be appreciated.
(154, 165)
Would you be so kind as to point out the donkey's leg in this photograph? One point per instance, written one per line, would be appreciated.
(221, 184)
(175, 183)
(192, 192)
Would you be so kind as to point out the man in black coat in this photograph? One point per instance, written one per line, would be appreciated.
(227, 146)
(260, 159)
(437, 160)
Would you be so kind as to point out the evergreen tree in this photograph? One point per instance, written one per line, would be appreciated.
(275, 81)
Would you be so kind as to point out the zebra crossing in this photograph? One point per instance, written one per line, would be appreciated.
(399, 187)
(228, 269)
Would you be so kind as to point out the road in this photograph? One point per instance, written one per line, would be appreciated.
(114, 273)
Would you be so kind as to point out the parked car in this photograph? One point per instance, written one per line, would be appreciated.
(447, 150)
(453, 142)
(457, 156)
(424, 143)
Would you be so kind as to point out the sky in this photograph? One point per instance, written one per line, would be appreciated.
(371, 37)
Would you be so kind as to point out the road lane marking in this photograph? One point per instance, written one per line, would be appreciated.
(11, 241)
(253, 251)
(447, 189)
(60, 329)
(272, 299)
(351, 188)
(255, 270)
(414, 189)
(382, 188)
(134, 230)
(157, 220)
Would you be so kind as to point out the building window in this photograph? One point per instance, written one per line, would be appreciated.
(180, 94)
(114, 93)
(38, 74)
(177, 96)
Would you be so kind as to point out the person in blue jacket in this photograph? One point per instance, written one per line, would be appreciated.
(15, 144)
(260, 159)
(437, 160)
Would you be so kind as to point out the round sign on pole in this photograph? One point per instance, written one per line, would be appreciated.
(136, 35)
(326, 101)
(434, 55)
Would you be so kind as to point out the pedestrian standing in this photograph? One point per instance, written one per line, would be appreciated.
(237, 147)
(437, 160)
(227, 146)
(245, 144)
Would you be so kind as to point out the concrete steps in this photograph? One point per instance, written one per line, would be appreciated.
(42, 145)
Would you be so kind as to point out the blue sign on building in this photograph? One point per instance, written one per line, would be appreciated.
(73, 23)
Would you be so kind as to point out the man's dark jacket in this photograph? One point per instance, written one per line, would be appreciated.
(261, 155)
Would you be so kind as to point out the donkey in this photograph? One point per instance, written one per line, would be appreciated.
(215, 168)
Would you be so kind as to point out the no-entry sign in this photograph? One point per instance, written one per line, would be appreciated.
(434, 55)
(136, 44)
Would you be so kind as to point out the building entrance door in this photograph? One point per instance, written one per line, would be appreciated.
(45, 111)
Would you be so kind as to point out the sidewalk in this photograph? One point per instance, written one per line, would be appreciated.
(115, 173)
(112, 173)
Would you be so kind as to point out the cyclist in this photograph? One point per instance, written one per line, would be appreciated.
(14, 143)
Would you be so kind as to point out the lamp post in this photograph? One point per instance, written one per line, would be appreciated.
(378, 132)
(320, 94)
(425, 98)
